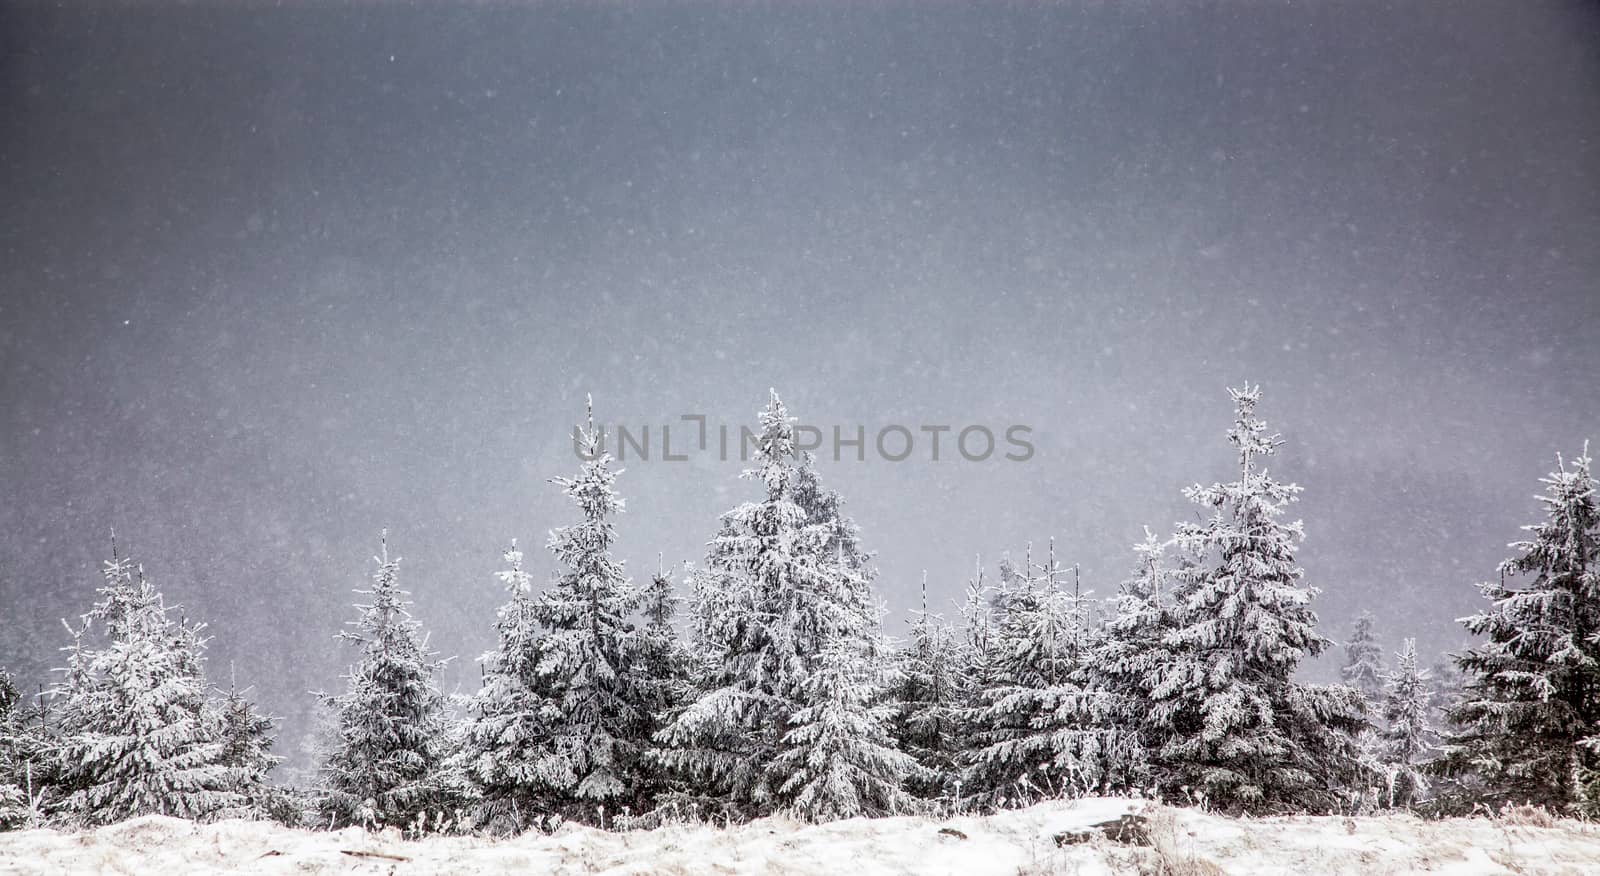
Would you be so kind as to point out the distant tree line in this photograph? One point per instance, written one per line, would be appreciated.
(777, 690)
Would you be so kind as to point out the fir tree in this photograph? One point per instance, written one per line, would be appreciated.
(980, 650)
(1039, 730)
(770, 601)
(1237, 728)
(508, 720)
(1363, 664)
(138, 735)
(980, 671)
(13, 805)
(838, 759)
(247, 741)
(929, 696)
(594, 738)
(1531, 707)
(384, 765)
(1408, 736)
(1131, 649)
(661, 667)
(24, 750)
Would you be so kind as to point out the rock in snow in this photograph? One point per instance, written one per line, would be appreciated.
(1021, 841)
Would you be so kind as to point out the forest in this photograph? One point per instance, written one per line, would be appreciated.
(761, 681)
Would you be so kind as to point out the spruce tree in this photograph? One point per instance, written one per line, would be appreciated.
(771, 601)
(980, 645)
(590, 756)
(980, 671)
(138, 735)
(838, 760)
(929, 696)
(508, 720)
(661, 668)
(1408, 736)
(1363, 664)
(1131, 648)
(23, 751)
(1237, 729)
(13, 801)
(384, 767)
(1039, 730)
(1529, 714)
(247, 741)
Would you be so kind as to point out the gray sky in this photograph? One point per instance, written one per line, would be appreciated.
(276, 278)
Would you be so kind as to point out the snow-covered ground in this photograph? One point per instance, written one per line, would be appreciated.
(1012, 843)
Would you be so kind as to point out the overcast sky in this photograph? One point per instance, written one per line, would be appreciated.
(274, 279)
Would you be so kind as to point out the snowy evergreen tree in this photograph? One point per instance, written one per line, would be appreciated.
(598, 722)
(13, 800)
(138, 735)
(24, 755)
(1363, 663)
(1529, 721)
(929, 696)
(662, 669)
(838, 759)
(571, 698)
(1237, 728)
(659, 656)
(1408, 737)
(1039, 730)
(507, 719)
(980, 650)
(383, 769)
(1131, 648)
(772, 599)
(247, 741)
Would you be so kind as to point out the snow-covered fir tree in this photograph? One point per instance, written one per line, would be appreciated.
(507, 718)
(1363, 659)
(1408, 736)
(384, 765)
(771, 601)
(247, 741)
(1236, 728)
(1130, 649)
(13, 801)
(1529, 720)
(929, 697)
(138, 735)
(980, 663)
(24, 755)
(839, 760)
(661, 667)
(596, 734)
(1038, 730)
